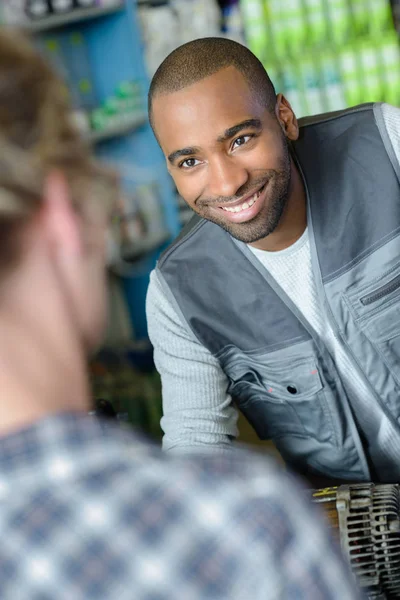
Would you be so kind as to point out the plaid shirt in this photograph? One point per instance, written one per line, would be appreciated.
(90, 511)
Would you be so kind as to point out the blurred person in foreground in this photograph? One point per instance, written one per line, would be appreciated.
(282, 296)
(88, 510)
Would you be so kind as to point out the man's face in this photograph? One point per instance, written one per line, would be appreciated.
(227, 154)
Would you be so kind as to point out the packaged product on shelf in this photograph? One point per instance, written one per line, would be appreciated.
(351, 74)
(37, 9)
(197, 17)
(113, 113)
(294, 25)
(255, 21)
(275, 14)
(61, 6)
(317, 22)
(13, 12)
(360, 18)
(130, 97)
(333, 89)
(312, 86)
(160, 32)
(50, 45)
(338, 14)
(390, 61)
(275, 76)
(380, 17)
(293, 88)
(372, 79)
(76, 54)
(99, 119)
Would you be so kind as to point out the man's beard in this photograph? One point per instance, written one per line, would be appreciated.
(267, 220)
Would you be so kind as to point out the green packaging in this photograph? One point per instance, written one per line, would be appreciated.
(99, 120)
(351, 75)
(379, 16)
(294, 25)
(339, 18)
(255, 24)
(317, 22)
(293, 90)
(312, 85)
(333, 88)
(129, 96)
(275, 76)
(372, 80)
(276, 19)
(360, 18)
(390, 60)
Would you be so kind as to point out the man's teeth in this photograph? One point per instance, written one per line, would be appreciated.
(247, 204)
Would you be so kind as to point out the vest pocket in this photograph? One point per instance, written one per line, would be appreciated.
(376, 310)
(288, 399)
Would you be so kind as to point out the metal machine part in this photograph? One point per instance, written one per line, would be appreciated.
(366, 519)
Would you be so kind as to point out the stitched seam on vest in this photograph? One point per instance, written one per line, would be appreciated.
(263, 349)
(386, 139)
(178, 243)
(367, 252)
(325, 118)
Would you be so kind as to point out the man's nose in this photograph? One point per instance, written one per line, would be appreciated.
(226, 177)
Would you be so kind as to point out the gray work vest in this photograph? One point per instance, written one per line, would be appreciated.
(280, 373)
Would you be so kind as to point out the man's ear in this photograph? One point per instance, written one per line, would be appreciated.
(61, 223)
(286, 117)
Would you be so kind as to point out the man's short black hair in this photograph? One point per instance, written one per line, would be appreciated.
(201, 58)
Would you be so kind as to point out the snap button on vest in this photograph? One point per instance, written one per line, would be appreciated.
(291, 389)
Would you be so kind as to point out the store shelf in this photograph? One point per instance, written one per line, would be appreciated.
(119, 130)
(74, 16)
(152, 2)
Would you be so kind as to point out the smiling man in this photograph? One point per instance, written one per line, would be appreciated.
(281, 296)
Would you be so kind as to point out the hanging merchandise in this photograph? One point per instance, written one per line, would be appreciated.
(169, 25)
(197, 17)
(160, 33)
(37, 9)
(61, 6)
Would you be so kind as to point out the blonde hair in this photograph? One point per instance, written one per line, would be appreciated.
(37, 136)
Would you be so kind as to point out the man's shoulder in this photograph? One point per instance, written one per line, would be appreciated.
(199, 234)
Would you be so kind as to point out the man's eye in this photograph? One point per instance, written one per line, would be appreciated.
(188, 163)
(240, 141)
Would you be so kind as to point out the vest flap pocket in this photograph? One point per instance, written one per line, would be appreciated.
(289, 382)
(283, 399)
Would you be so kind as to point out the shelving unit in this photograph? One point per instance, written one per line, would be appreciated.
(119, 130)
(76, 16)
(113, 39)
(152, 2)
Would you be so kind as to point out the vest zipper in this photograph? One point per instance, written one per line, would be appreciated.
(381, 292)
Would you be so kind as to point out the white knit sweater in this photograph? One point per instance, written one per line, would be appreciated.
(197, 408)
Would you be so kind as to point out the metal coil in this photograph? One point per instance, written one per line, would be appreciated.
(366, 519)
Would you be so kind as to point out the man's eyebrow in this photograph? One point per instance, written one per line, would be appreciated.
(182, 152)
(235, 129)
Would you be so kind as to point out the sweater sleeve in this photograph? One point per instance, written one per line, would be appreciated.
(391, 117)
(197, 410)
